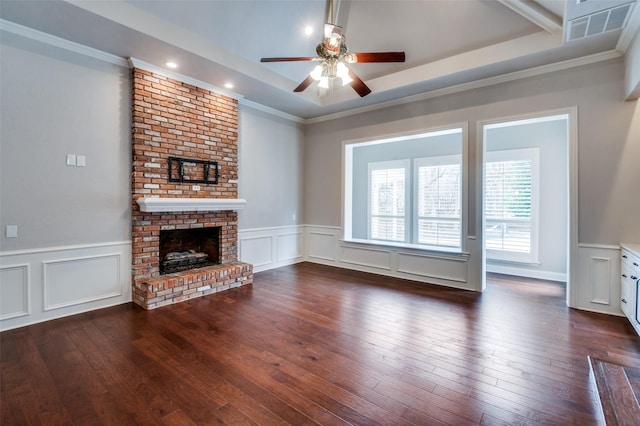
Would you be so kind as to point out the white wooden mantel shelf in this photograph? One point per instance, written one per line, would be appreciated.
(153, 205)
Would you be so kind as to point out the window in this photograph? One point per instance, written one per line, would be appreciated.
(511, 205)
(387, 186)
(406, 191)
(439, 201)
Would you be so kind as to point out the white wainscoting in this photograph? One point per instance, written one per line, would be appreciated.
(43, 284)
(599, 278)
(324, 246)
(268, 248)
(526, 272)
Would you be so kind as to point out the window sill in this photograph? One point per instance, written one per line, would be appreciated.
(417, 248)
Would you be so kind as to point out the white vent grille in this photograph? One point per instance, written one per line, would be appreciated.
(599, 22)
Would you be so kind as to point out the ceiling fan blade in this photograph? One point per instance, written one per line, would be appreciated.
(290, 59)
(358, 85)
(306, 83)
(374, 57)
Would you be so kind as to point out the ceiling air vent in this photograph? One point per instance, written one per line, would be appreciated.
(599, 22)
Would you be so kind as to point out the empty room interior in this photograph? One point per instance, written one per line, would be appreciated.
(320, 212)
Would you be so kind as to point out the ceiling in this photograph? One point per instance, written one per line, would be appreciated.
(448, 43)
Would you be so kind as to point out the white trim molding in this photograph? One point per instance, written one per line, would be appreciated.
(51, 40)
(138, 63)
(155, 205)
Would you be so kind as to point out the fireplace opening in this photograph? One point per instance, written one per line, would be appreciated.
(184, 249)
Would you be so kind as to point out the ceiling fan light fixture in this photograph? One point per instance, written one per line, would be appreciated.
(342, 71)
(324, 82)
(332, 39)
(334, 59)
(316, 73)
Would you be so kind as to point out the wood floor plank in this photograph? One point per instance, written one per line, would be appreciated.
(313, 345)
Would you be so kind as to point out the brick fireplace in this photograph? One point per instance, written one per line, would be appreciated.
(178, 126)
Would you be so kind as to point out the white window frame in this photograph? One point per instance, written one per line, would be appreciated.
(348, 147)
(519, 154)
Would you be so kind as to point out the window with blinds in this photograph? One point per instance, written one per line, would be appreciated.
(511, 205)
(434, 190)
(406, 191)
(387, 188)
(439, 201)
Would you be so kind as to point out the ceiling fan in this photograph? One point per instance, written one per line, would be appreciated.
(334, 59)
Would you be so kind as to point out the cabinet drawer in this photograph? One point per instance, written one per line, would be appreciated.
(631, 260)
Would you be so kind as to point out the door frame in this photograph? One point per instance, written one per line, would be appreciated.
(572, 179)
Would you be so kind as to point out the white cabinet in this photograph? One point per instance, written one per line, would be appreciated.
(630, 281)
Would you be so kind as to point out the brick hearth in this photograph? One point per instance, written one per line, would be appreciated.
(175, 119)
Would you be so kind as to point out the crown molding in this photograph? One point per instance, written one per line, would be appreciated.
(477, 84)
(271, 111)
(42, 37)
(51, 40)
(630, 30)
(536, 14)
(625, 40)
(138, 63)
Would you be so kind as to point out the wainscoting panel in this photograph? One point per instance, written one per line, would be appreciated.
(268, 248)
(257, 250)
(14, 291)
(599, 278)
(43, 284)
(65, 280)
(433, 266)
(290, 247)
(322, 243)
(363, 256)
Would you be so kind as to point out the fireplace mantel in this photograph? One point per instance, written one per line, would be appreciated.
(155, 204)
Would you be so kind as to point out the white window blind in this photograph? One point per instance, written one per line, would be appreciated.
(511, 205)
(387, 186)
(439, 201)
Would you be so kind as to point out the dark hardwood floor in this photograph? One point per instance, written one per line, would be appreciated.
(310, 344)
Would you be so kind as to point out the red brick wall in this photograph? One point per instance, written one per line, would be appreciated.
(171, 118)
(175, 119)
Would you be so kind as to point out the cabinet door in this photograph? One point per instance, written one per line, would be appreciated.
(626, 303)
(636, 305)
(629, 298)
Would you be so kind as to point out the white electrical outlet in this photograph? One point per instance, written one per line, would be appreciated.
(71, 160)
(81, 160)
(12, 231)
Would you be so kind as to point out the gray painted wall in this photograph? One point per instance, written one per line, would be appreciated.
(54, 103)
(632, 69)
(270, 171)
(608, 143)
